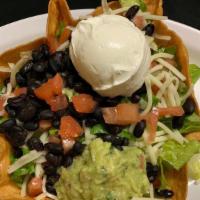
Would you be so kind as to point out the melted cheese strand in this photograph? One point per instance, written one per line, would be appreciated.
(156, 68)
(149, 96)
(171, 68)
(161, 55)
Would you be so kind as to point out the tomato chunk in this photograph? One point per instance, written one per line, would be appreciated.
(152, 120)
(69, 128)
(2, 101)
(84, 103)
(122, 114)
(58, 103)
(35, 187)
(19, 91)
(173, 111)
(50, 89)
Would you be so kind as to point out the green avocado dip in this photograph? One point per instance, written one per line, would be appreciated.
(104, 173)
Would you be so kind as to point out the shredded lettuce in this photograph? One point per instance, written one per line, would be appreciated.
(53, 131)
(170, 50)
(194, 71)
(143, 101)
(194, 167)
(191, 124)
(125, 100)
(128, 3)
(126, 134)
(176, 155)
(97, 129)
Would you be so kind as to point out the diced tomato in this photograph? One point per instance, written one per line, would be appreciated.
(58, 103)
(154, 89)
(153, 64)
(69, 128)
(44, 92)
(173, 111)
(19, 91)
(57, 84)
(45, 124)
(35, 186)
(50, 89)
(122, 114)
(84, 103)
(139, 21)
(152, 120)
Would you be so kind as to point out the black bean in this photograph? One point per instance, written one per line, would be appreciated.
(56, 123)
(26, 68)
(35, 143)
(52, 179)
(6, 81)
(165, 193)
(54, 148)
(61, 113)
(82, 87)
(107, 138)
(7, 125)
(49, 169)
(119, 147)
(177, 122)
(55, 160)
(11, 112)
(17, 136)
(17, 102)
(68, 160)
(118, 141)
(97, 114)
(89, 122)
(78, 148)
(31, 126)
(132, 11)
(33, 83)
(27, 113)
(17, 152)
(46, 114)
(152, 172)
(41, 53)
(20, 80)
(71, 80)
(142, 90)
(135, 98)
(50, 188)
(139, 129)
(149, 29)
(110, 102)
(40, 67)
(113, 129)
(56, 61)
(189, 106)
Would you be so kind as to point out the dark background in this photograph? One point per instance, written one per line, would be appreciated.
(185, 11)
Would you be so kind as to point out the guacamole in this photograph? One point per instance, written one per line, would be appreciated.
(104, 173)
(128, 3)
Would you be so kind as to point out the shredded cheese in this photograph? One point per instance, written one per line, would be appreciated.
(45, 191)
(119, 10)
(173, 134)
(156, 68)
(39, 170)
(155, 81)
(162, 37)
(63, 46)
(152, 154)
(31, 156)
(44, 138)
(151, 191)
(189, 93)
(40, 197)
(149, 16)
(106, 8)
(161, 55)
(24, 186)
(171, 68)
(170, 95)
(5, 69)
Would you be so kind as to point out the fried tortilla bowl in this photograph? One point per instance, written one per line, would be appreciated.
(59, 11)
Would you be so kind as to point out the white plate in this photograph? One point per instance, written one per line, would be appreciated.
(31, 28)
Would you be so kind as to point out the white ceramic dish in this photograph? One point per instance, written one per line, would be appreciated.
(31, 28)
